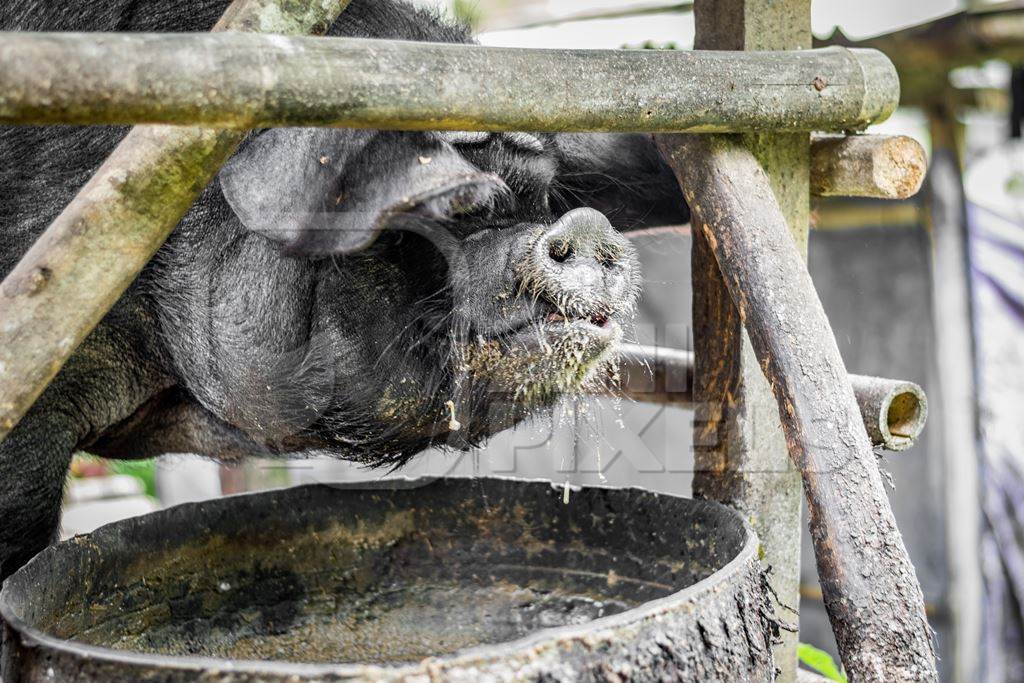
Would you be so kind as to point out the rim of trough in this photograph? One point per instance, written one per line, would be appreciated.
(469, 657)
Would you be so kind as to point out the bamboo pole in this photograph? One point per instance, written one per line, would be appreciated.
(93, 250)
(871, 592)
(879, 166)
(893, 411)
(246, 81)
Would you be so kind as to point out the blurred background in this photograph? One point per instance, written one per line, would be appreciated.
(929, 290)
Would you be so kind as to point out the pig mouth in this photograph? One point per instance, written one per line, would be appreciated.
(547, 353)
(596, 329)
(597, 319)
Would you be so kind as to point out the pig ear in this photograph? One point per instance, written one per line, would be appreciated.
(620, 174)
(329, 191)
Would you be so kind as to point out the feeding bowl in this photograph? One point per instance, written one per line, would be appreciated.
(450, 579)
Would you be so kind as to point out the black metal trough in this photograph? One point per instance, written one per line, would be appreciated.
(452, 579)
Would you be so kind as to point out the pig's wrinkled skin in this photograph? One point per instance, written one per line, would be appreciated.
(265, 327)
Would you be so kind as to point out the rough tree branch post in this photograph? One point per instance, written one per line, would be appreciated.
(750, 198)
(870, 588)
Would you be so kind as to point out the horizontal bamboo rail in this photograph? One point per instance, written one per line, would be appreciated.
(894, 411)
(242, 81)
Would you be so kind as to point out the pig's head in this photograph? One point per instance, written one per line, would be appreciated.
(453, 282)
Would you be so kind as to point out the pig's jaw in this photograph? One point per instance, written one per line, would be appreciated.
(492, 384)
(542, 362)
(487, 386)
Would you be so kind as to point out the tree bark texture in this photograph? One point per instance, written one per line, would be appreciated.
(739, 451)
(870, 589)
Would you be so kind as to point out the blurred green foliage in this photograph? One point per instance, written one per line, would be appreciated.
(468, 12)
(819, 661)
(143, 470)
(651, 45)
(88, 465)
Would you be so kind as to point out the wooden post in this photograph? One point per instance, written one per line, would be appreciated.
(739, 448)
(869, 586)
(93, 250)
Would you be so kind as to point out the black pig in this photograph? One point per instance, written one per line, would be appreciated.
(365, 293)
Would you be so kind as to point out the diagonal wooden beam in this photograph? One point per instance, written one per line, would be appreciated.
(870, 589)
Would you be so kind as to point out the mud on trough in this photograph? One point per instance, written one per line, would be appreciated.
(450, 578)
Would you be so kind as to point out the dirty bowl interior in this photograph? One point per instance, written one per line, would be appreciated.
(384, 575)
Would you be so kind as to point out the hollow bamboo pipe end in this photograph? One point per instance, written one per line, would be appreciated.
(894, 412)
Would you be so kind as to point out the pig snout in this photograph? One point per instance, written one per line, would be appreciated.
(583, 266)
